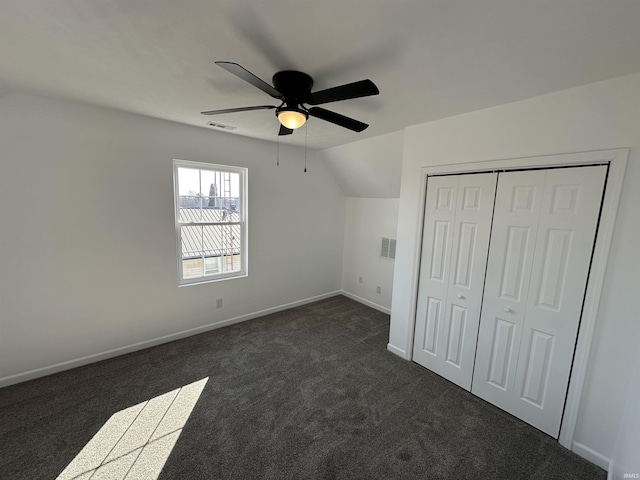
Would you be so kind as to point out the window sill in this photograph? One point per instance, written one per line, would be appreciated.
(202, 280)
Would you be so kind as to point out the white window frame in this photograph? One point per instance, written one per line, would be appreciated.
(216, 277)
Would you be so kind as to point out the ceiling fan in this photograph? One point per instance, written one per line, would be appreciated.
(293, 89)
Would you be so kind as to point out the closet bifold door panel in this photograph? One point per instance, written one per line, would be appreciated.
(544, 228)
(455, 243)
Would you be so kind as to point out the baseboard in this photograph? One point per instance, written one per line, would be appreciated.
(78, 362)
(366, 302)
(589, 454)
(397, 351)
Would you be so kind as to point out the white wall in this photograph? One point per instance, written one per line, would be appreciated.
(87, 242)
(625, 459)
(366, 220)
(368, 171)
(603, 115)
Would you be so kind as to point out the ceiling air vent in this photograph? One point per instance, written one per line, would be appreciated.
(222, 126)
(388, 248)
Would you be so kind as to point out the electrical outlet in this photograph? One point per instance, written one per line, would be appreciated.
(219, 303)
(378, 289)
(360, 279)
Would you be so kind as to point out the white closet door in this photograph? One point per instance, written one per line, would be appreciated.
(437, 237)
(543, 233)
(457, 225)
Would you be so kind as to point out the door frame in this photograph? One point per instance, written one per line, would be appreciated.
(617, 161)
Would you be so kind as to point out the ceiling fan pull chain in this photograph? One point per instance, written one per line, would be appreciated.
(306, 129)
(278, 151)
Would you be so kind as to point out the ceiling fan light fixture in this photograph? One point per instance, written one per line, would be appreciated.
(292, 118)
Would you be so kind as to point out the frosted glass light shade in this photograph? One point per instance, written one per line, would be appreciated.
(292, 118)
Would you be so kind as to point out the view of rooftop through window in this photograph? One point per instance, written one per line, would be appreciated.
(210, 220)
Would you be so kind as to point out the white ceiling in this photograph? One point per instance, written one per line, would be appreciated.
(430, 59)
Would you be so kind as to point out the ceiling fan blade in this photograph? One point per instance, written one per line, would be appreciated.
(363, 88)
(239, 109)
(284, 130)
(247, 76)
(338, 119)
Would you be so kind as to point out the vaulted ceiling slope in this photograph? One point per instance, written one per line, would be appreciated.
(367, 168)
(430, 59)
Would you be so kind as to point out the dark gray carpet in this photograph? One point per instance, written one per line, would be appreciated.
(310, 392)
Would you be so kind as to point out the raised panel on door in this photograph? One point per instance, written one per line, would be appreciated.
(517, 208)
(455, 239)
(564, 244)
(437, 238)
(541, 246)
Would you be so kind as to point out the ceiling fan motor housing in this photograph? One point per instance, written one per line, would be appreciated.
(294, 86)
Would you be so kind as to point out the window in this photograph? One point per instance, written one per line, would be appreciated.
(211, 228)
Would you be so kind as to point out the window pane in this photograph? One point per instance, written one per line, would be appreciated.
(232, 263)
(210, 249)
(192, 268)
(224, 210)
(197, 210)
(192, 242)
(208, 196)
(220, 240)
(212, 265)
(222, 190)
(188, 181)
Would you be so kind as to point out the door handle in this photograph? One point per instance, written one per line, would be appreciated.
(508, 309)
(461, 296)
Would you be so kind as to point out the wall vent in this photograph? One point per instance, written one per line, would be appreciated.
(221, 126)
(388, 248)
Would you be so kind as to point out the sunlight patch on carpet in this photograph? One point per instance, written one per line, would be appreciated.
(136, 442)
